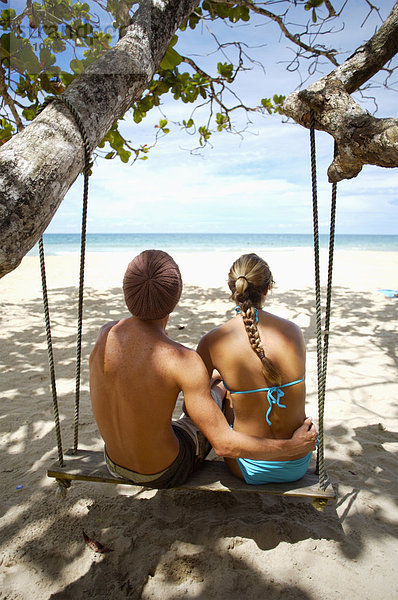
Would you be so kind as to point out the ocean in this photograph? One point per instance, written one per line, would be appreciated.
(69, 243)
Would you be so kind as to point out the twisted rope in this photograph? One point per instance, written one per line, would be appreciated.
(322, 353)
(329, 284)
(320, 466)
(86, 171)
(50, 352)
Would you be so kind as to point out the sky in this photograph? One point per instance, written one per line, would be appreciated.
(255, 183)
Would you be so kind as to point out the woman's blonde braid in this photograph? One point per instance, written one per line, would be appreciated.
(248, 313)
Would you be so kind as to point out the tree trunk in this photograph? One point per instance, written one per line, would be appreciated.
(39, 165)
(360, 137)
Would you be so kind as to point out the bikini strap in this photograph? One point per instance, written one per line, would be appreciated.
(291, 383)
(238, 311)
(274, 395)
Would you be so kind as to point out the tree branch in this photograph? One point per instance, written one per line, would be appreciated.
(38, 165)
(368, 59)
(8, 100)
(216, 96)
(360, 137)
(329, 6)
(329, 54)
(200, 71)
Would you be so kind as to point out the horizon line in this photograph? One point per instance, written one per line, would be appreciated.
(206, 233)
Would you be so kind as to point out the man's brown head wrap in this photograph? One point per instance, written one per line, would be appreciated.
(152, 285)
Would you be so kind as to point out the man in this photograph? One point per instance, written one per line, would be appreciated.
(136, 374)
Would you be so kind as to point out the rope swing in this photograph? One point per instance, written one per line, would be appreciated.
(86, 173)
(322, 352)
(89, 465)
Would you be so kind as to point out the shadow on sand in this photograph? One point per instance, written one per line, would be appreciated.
(185, 538)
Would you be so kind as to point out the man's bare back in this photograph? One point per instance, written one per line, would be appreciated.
(134, 392)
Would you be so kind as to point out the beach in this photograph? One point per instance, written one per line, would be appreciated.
(171, 544)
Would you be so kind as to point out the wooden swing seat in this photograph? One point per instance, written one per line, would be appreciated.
(213, 476)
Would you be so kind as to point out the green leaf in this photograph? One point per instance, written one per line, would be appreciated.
(58, 45)
(116, 141)
(4, 46)
(222, 121)
(313, 4)
(170, 60)
(67, 78)
(7, 15)
(29, 113)
(77, 66)
(278, 99)
(225, 70)
(204, 135)
(6, 131)
(46, 58)
(244, 13)
(20, 53)
(193, 19)
(137, 116)
(221, 10)
(234, 14)
(124, 155)
(267, 104)
(162, 123)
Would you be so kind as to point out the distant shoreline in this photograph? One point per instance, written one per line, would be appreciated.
(57, 244)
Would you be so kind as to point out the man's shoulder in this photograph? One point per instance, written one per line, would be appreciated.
(107, 326)
(182, 356)
(103, 333)
(182, 364)
(181, 352)
(105, 329)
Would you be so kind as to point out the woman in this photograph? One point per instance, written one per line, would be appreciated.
(261, 359)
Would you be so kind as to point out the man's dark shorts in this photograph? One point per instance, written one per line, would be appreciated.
(173, 476)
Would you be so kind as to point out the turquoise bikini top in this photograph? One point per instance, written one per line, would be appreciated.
(276, 389)
(272, 399)
(271, 391)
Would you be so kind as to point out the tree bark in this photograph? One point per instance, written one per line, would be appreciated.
(360, 138)
(39, 165)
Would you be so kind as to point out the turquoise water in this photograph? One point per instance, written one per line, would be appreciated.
(67, 243)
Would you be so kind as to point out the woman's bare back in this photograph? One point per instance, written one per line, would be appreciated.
(228, 350)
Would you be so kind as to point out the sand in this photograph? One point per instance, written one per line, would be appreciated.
(183, 544)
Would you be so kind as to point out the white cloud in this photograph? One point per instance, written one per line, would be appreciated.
(258, 183)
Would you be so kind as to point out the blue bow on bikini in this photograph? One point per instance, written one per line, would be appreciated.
(272, 400)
